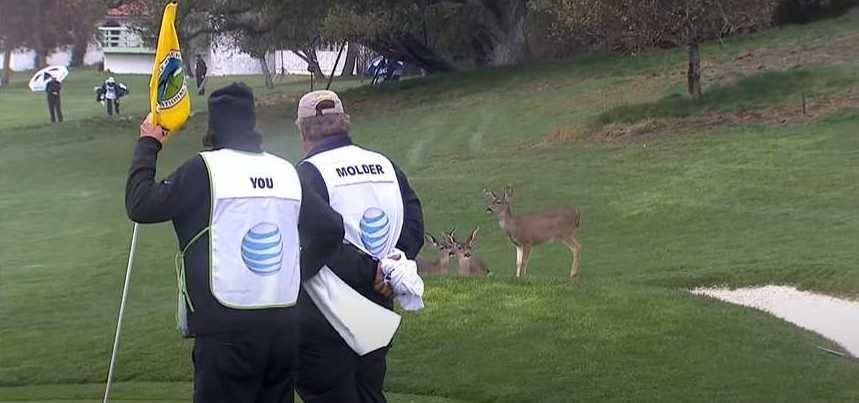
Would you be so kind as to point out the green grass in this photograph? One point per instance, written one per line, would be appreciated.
(24, 108)
(765, 89)
(735, 206)
(138, 392)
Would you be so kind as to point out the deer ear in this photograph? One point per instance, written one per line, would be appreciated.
(508, 192)
(431, 238)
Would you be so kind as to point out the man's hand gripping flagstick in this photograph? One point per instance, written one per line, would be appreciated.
(170, 108)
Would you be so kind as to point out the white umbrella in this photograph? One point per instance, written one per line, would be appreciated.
(41, 78)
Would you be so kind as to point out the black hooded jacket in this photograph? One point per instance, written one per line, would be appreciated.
(184, 198)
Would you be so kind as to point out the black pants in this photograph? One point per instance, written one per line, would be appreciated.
(201, 84)
(55, 108)
(246, 367)
(112, 105)
(330, 372)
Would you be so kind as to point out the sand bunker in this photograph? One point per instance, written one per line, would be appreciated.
(834, 318)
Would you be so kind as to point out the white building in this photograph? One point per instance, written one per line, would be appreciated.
(24, 60)
(123, 48)
(123, 51)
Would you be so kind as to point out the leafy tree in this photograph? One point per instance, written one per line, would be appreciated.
(430, 33)
(194, 24)
(634, 25)
(83, 17)
(14, 32)
(261, 26)
(45, 25)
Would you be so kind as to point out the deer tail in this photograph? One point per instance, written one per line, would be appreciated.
(578, 218)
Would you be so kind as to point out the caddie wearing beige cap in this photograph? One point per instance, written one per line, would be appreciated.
(380, 212)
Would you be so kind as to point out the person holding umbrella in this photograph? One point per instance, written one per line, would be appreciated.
(53, 89)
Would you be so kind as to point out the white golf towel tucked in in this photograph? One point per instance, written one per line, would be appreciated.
(402, 275)
(363, 325)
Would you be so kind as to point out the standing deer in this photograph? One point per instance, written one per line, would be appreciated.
(440, 263)
(469, 263)
(527, 231)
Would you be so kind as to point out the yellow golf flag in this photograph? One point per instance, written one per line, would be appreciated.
(168, 94)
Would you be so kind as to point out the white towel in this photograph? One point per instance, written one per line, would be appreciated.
(402, 275)
(363, 325)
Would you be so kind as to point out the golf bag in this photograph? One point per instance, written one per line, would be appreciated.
(383, 69)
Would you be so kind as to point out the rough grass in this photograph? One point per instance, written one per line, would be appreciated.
(744, 205)
(755, 92)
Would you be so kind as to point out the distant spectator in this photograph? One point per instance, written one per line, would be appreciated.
(200, 70)
(53, 89)
(110, 93)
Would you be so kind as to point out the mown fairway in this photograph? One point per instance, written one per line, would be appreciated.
(752, 202)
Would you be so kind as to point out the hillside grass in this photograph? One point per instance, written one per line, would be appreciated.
(754, 92)
(741, 205)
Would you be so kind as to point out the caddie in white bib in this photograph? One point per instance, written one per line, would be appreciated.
(349, 296)
(254, 230)
(246, 233)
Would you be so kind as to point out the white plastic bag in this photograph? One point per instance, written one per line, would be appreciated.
(402, 275)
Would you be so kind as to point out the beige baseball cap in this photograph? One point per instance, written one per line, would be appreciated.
(319, 103)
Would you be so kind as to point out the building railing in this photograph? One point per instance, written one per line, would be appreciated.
(120, 37)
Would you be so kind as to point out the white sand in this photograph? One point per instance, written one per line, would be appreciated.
(834, 318)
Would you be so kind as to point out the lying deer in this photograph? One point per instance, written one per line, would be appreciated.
(527, 231)
(440, 263)
(469, 263)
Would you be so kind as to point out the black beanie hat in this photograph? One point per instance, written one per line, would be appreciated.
(232, 117)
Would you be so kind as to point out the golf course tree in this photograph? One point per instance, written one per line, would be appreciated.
(498, 32)
(436, 34)
(704, 19)
(260, 26)
(46, 25)
(14, 33)
(252, 31)
(60, 23)
(82, 17)
(806, 11)
(637, 25)
(389, 28)
(193, 24)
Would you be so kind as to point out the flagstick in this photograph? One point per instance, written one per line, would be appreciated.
(121, 313)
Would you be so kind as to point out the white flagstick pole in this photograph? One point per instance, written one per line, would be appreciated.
(121, 313)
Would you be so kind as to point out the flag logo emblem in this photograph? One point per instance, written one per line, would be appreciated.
(171, 81)
(374, 231)
(262, 249)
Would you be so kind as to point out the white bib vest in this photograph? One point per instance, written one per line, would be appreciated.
(254, 247)
(363, 188)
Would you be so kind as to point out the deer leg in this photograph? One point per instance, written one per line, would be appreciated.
(576, 251)
(526, 253)
(518, 260)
